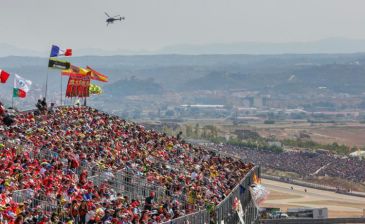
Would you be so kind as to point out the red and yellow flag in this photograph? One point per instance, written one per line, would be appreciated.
(97, 75)
(75, 70)
(78, 86)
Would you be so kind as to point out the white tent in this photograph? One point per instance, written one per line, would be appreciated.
(358, 154)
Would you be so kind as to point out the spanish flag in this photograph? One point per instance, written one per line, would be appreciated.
(97, 75)
(75, 70)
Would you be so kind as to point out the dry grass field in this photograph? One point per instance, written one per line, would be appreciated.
(348, 133)
(339, 205)
(351, 134)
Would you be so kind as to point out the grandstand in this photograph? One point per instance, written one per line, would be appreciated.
(81, 165)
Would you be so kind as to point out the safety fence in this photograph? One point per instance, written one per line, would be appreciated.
(128, 185)
(225, 211)
(116, 183)
(200, 217)
(38, 202)
(21, 196)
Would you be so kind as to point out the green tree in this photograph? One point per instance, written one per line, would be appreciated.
(188, 130)
(196, 130)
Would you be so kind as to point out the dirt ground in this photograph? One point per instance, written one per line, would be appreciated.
(351, 134)
(348, 133)
(339, 205)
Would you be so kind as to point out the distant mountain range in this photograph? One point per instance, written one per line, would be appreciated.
(330, 45)
(291, 76)
(327, 46)
(10, 50)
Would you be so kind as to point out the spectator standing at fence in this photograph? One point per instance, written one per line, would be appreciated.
(83, 209)
(149, 202)
(39, 105)
(19, 220)
(51, 108)
(74, 211)
(44, 103)
(2, 109)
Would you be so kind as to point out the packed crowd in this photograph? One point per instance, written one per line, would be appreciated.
(303, 162)
(48, 158)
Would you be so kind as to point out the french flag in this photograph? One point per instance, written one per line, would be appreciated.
(56, 51)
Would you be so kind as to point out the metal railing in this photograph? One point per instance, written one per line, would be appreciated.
(131, 186)
(200, 217)
(38, 202)
(225, 212)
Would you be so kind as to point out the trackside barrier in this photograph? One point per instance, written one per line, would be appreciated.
(310, 185)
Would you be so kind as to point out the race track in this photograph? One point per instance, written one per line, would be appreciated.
(339, 205)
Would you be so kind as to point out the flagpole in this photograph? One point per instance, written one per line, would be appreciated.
(12, 95)
(45, 95)
(61, 89)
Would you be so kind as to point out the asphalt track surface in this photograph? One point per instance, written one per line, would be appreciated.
(339, 205)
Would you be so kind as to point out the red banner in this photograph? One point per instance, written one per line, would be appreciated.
(78, 86)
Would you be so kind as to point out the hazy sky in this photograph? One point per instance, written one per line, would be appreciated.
(152, 24)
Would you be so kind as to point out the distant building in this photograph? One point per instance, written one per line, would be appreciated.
(258, 102)
(360, 154)
(202, 106)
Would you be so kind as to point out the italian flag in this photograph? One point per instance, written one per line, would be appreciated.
(21, 86)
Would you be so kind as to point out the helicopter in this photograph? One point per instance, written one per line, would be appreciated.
(112, 19)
